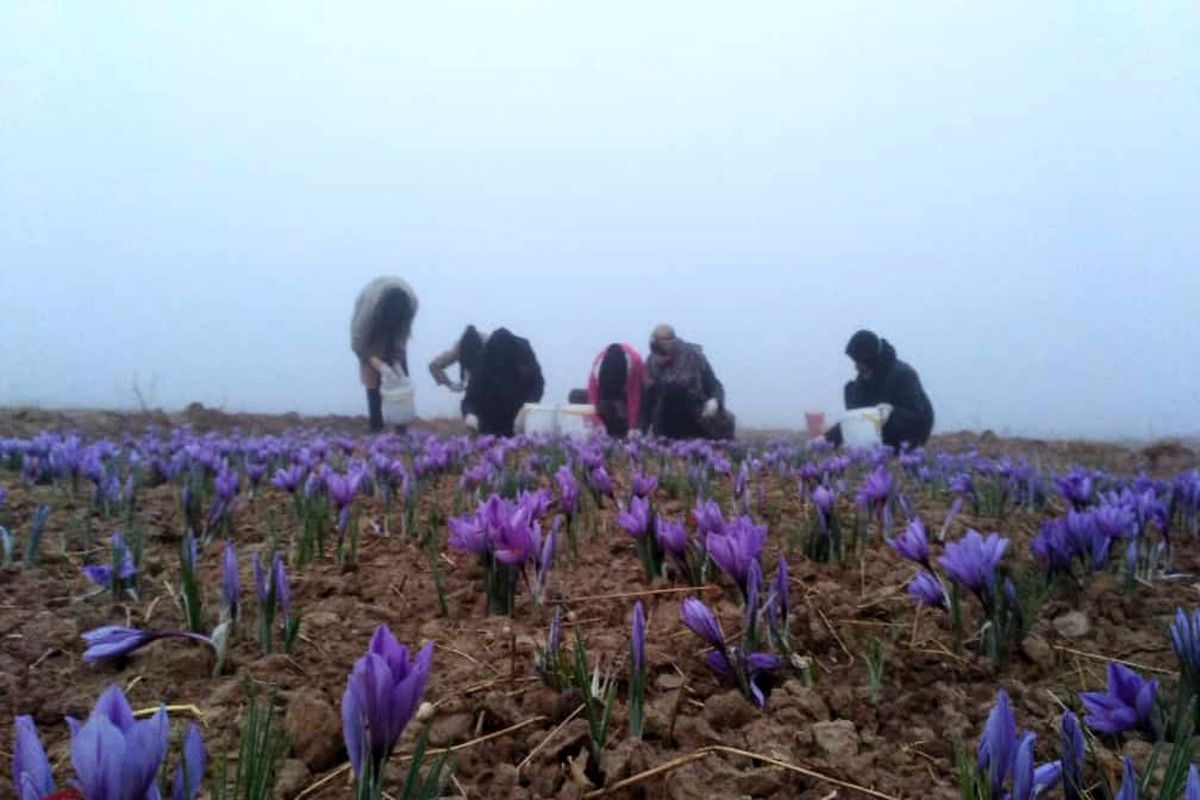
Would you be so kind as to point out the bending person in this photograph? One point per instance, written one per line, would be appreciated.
(682, 398)
(380, 328)
(506, 377)
(884, 380)
(615, 388)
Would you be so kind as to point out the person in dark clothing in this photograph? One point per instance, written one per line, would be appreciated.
(886, 381)
(506, 377)
(682, 398)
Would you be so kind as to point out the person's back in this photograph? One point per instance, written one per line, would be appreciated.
(615, 388)
(508, 376)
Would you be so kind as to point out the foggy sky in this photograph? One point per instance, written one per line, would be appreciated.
(1008, 192)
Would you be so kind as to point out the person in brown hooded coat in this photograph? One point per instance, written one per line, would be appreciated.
(380, 328)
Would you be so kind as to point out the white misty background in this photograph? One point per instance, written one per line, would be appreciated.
(1008, 193)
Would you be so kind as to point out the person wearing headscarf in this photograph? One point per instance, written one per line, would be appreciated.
(682, 398)
(380, 328)
(466, 352)
(503, 378)
(615, 388)
(884, 381)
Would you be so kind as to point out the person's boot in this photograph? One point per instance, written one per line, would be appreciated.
(375, 410)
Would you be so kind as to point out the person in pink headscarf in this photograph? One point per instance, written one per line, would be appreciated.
(615, 388)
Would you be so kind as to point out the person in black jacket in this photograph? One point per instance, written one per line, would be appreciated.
(884, 380)
(506, 377)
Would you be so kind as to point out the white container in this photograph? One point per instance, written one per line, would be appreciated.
(398, 397)
(564, 420)
(535, 419)
(577, 420)
(862, 427)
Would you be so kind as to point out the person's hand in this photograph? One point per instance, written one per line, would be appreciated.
(885, 411)
(457, 387)
(472, 422)
(711, 407)
(377, 363)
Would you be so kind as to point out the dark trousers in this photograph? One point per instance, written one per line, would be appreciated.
(375, 410)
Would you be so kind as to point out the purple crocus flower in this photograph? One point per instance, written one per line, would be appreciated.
(289, 479)
(600, 482)
(1052, 547)
(643, 485)
(102, 574)
(998, 744)
(1185, 641)
(927, 591)
(1127, 704)
(961, 485)
(1072, 752)
(635, 521)
(341, 489)
(639, 639)
(1075, 487)
(701, 621)
(1129, 783)
(912, 544)
(1191, 790)
(283, 594)
(32, 778)
(672, 537)
(733, 550)
(536, 503)
(1114, 521)
(568, 491)
(115, 756)
(971, 562)
(779, 592)
(255, 470)
(190, 772)
(382, 693)
(517, 539)
(468, 535)
(115, 641)
(229, 583)
(877, 488)
(708, 518)
(225, 485)
(823, 499)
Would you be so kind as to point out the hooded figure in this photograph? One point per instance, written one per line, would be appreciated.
(379, 330)
(682, 398)
(885, 380)
(615, 388)
(506, 377)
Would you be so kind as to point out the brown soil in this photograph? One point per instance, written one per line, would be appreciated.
(483, 680)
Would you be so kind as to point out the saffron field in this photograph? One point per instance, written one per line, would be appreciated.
(311, 613)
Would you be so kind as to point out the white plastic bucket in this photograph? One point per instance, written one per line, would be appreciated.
(576, 420)
(398, 397)
(535, 419)
(862, 427)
